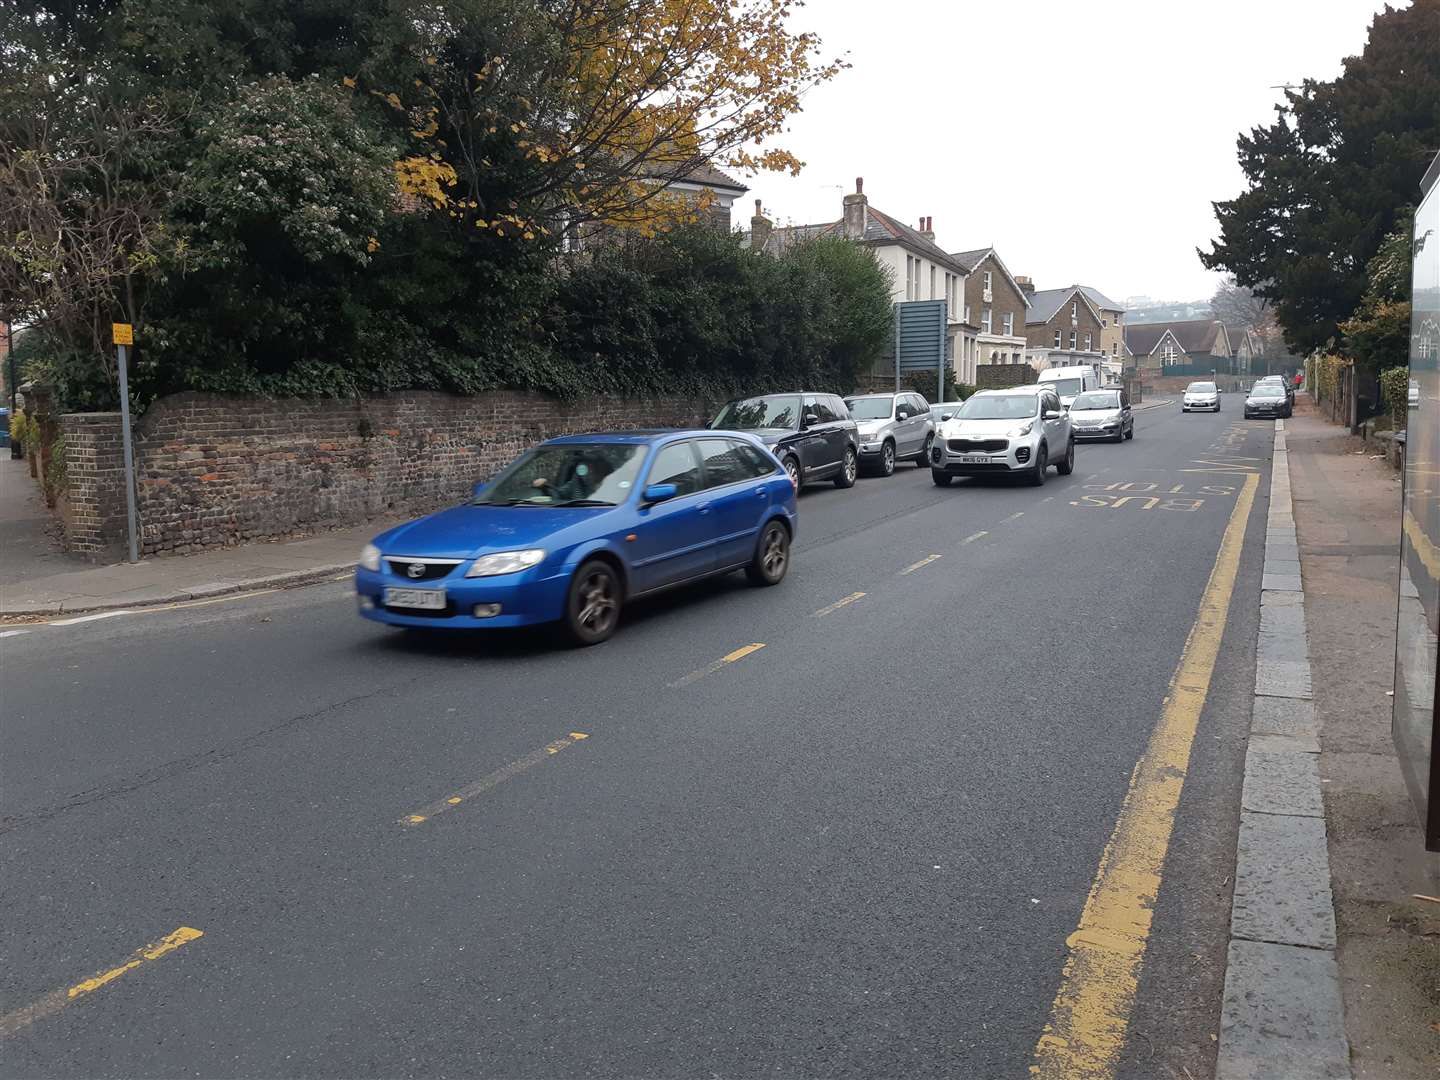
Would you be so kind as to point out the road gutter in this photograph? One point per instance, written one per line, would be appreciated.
(1282, 1017)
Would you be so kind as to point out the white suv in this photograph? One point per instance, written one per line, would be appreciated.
(1020, 431)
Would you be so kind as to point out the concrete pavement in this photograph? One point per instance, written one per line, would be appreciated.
(858, 850)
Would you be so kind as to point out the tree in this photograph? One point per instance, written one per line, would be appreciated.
(1235, 305)
(1377, 336)
(1327, 180)
(549, 116)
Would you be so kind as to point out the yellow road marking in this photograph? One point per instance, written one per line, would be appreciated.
(974, 536)
(1229, 466)
(1422, 545)
(716, 665)
(499, 776)
(56, 1000)
(916, 566)
(1090, 1016)
(838, 604)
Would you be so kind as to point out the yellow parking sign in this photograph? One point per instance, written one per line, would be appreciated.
(122, 333)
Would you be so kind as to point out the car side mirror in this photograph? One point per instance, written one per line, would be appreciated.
(811, 418)
(945, 416)
(1052, 414)
(659, 493)
(902, 414)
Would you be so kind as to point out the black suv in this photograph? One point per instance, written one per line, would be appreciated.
(812, 434)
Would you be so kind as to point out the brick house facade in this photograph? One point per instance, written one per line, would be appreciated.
(995, 301)
(1064, 319)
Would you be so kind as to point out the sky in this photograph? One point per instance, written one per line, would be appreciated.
(1084, 141)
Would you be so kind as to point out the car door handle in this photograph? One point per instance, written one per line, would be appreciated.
(704, 508)
(762, 491)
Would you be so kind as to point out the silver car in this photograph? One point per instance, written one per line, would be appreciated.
(1201, 397)
(1016, 432)
(892, 427)
(1103, 414)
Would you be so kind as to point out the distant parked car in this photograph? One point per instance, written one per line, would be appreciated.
(891, 427)
(1103, 414)
(1412, 394)
(1201, 397)
(1280, 381)
(812, 435)
(1266, 399)
(577, 527)
(1017, 432)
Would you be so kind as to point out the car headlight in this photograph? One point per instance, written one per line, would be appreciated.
(505, 562)
(370, 557)
(1023, 430)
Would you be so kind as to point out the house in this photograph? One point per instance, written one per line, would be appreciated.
(703, 190)
(1063, 328)
(1192, 347)
(1112, 323)
(996, 302)
(1246, 347)
(919, 268)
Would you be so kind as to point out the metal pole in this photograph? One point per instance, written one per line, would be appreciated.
(121, 351)
(10, 378)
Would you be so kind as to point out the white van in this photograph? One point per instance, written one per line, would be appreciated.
(1071, 381)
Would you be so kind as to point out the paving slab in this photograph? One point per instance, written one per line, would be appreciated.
(1281, 783)
(1282, 678)
(1281, 1018)
(1282, 881)
(1284, 744)
(1277, 566)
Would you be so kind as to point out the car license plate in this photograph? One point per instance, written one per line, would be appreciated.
(428, 599)
(974, 459)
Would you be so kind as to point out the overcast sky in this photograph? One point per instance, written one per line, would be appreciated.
(1085, 141)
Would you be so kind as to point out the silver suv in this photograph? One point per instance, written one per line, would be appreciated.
(1022, 431)
(892, 426)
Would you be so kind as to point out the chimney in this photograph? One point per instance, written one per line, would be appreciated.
(927, 228)
(856, 212)
(1026, 286)
(760, 228)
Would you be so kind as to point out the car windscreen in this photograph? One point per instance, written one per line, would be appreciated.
(1200, 388)
(870, 408)
(1065, 387)
(1097, 400)
(781, 411)
(1269, 390)
(582, 474)
(999, 407)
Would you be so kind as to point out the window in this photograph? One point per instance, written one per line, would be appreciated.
(1114, 348)
(820, 406)
(1104, 322)
(987, 280)
(932, 281)
(1008, 322)
(1072, 340)
(967, 313)
(1088, 340)
(725, 463)
(1057, 339)
(985, 318)
(921, 405)
(837, 406)
(781, 411)
(909, 278)
(1124, 399)
(676, 464)
(1074, 309)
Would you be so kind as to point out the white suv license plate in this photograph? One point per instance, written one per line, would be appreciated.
(427, 599)
(974, 459)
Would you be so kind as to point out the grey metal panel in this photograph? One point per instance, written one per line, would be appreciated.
(920, 332)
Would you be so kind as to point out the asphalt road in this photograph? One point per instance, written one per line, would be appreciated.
(856, 851)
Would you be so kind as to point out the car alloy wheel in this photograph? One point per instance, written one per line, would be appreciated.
(792, 470)
(593, 607)
(923, 461)
(1067, 464)
(772, 556)
(848, 469)
(887, 459)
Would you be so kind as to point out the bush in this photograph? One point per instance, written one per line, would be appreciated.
(1395, 392)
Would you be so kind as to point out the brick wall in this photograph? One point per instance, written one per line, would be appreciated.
(1002, 376)
(213, 471)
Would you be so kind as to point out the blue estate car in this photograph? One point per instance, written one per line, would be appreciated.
(577, 526)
